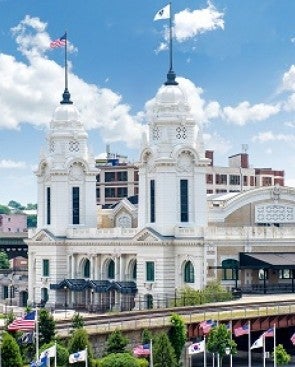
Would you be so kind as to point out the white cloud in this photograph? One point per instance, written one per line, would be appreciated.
(200, 110)
(245, 113)
(7, 164)
(220, 145)
(39, 82)
(290, 124)
(190, 23)
(288, 80)
(270, 136)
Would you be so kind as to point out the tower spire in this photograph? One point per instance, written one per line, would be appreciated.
(66, 97)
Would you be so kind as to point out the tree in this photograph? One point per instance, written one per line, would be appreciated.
(282, 357)
(122, 360)
(116, 343)
(10, 352)
(219, 340)
(46, 326)
(177, 334)
(32, 220)
(77, 321)
(15, 205)
(4, 261)
(62, 354)
(4, 209)
(146, 336)
(31, 206)
(79, 341)
(163, 352)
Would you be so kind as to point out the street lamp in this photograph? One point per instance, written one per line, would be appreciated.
(228, 353)
(92, 295)
(65, 291)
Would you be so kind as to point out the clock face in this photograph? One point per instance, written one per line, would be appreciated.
(181, 132)
(51, 146)
(74, 146)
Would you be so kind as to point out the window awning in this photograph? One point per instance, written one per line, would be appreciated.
(267, 260)
(99, 286)
(72, 284)
(125, 287)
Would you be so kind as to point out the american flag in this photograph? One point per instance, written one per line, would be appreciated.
(293, 339)
(25, 323)
(242, 330)
(269, 333)
(59, 42)
(206, 326)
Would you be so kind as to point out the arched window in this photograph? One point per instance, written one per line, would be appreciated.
(134, 271)
(111, 269)
(189, 272)
(86, 270)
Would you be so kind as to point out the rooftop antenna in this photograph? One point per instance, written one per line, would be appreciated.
(244, 148)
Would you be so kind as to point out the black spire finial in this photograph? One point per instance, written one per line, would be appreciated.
(66, 97)
(171, 78)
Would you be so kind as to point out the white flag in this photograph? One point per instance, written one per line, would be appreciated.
(196, 347)
(78, 356)
(49, 352)
(258, 343)
(164, 13)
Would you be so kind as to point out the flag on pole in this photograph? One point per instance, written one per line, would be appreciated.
(80, 356)
(269, 333)
(49, 352)
(25, 323)
(196, 347)
(206, 326)
(293, 339)
(41, 363)
(59, 42)
(142, 350)
(258, 343)
(163, 13)
(241, 330)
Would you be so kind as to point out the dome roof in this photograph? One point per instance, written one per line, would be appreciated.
(66, 112)
(171, 94)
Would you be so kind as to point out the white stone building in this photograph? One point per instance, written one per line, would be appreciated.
(139, 256)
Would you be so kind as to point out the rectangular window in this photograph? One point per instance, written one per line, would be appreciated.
(76, 205)
(220, 179)
(209, 179)
(152, 201)
(184, 200)
(110, 192)
(122, 176)
(245, 180)
(48, 203)
(122, 192)
(234, 180)
(97, 193)
(150, 271)
(45, 268)
(109, 176)
(285, 274)
(230, 274)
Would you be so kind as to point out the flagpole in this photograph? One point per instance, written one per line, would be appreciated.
(231, 338)
(263, 349)
(151, 353)
(274, 346)
(249, 344)
(37, 335)
(55, 355)
(205, 353)
(170, 36)
(66, 94)
(213, 359)
(86, 360)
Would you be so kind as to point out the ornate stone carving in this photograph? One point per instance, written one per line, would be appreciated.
(76, 172)
(184, 162)
(274, 213)
(124, 221)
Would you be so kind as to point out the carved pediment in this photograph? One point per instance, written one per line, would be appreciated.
(43, 236)
(147, 235)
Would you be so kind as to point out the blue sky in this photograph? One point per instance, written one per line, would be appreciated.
(236, 60)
